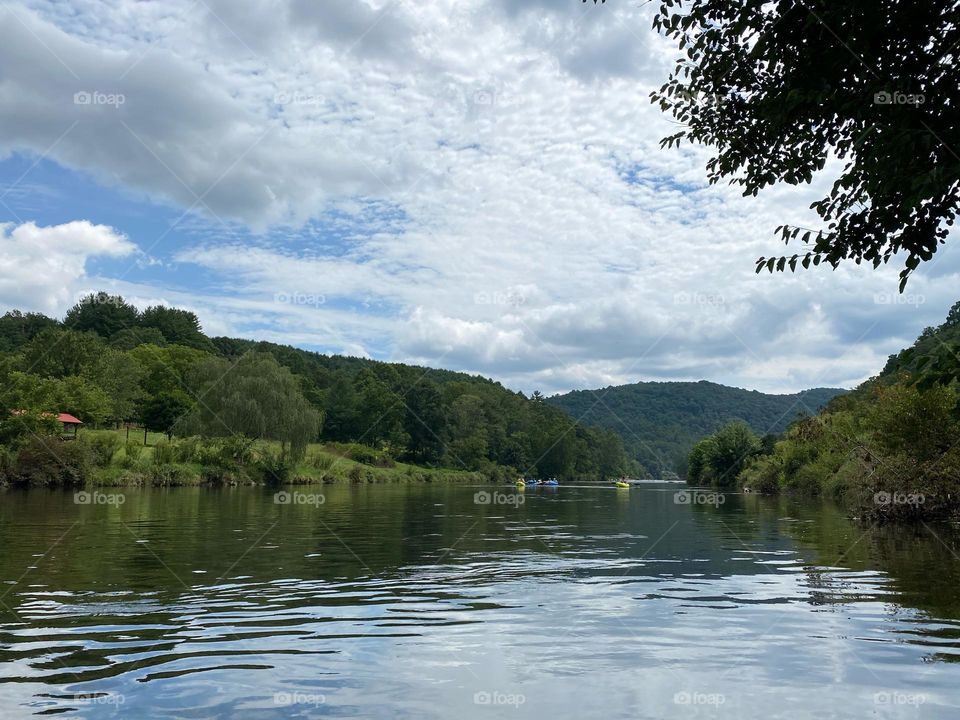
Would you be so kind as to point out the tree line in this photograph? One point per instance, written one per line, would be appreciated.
(108, 363)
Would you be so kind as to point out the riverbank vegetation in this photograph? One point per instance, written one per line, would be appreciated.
(239, 410)
(109, 458)
(889, 450)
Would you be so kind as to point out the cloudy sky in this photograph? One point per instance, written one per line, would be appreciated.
(472, 184)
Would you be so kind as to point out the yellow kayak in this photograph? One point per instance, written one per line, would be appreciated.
(521, 484)
(621, 484)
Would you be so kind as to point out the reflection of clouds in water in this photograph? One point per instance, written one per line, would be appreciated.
(575, 601)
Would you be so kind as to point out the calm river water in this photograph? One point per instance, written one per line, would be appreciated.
(431, 601)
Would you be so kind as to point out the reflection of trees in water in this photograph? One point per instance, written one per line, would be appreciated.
(921, 561)
(832, 591)
(744, 524)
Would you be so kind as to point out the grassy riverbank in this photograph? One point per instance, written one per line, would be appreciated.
(107, 458)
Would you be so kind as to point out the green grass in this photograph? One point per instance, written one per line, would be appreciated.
(322, 463)
(343, 469)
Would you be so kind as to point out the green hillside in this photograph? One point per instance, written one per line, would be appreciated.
(661, 421)
(889, 450)
(109, 363)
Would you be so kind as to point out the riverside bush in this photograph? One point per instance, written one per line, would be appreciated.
(235, 451)
(274, 468)
(7, 459)
(369, 456)
(170, 474)
(164, 453)
(53, 462)
(103, 447)
(321, 461)
(132, 452)
(187, 450)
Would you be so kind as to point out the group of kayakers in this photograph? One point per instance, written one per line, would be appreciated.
(523, 482)
(553, 482)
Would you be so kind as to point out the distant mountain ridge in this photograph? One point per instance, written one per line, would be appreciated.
(660, 421)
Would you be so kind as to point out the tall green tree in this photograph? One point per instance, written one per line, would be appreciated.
(425, 421)
(130, 338)
(255, 397)
(380, 413)
(953, 317)
(26, 402)
(166, 368)
(719, 458)
(468, 432)
(340, 410)
(60, 353)
(611, 458)
(697, 460)
(733, 446)
(103, 314)
(179, 327)
(165, 411)
(71, 394)
(18, 328)
(120, 376)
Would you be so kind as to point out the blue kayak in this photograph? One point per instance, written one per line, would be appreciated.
(551, 482)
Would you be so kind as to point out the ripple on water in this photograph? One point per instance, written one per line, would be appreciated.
(610, 612)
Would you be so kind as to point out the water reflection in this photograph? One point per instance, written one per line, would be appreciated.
(420, 601)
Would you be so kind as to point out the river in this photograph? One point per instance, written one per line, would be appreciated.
(447, 601)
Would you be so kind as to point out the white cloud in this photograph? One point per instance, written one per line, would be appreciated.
(508, 208)
(42, 268)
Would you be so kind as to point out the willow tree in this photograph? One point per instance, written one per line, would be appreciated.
(256, 398)
(777, 88)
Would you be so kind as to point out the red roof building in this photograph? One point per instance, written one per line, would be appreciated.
(68, 420)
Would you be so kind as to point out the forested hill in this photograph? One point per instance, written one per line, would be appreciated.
(108, 362)
(931, 360)
(888, 449)
(661, 421)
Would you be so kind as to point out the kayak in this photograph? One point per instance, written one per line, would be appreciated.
(551, 482)
(531, 482)
(621, 484)
(521, 483)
